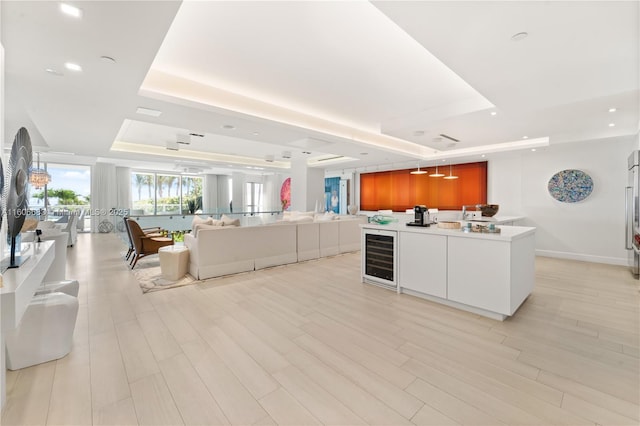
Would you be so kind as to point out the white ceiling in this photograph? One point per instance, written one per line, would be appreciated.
(329, 78)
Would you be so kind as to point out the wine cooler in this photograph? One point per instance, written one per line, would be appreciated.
(379, 263)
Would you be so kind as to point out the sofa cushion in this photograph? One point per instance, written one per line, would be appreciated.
(296, 216)
(324, 217)
(228, 221)
(197, 220)
(200, 226)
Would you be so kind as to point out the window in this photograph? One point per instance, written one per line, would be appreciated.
(159, 193)
(69, 191)
(191, 194)
(142, 191)
(168, 194)
(253, 196)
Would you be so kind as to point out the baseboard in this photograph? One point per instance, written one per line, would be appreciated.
(583, 257)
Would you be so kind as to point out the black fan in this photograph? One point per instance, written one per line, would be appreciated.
(15, 195)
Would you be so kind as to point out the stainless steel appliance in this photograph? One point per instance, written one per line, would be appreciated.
(421, 216)
(632, 205)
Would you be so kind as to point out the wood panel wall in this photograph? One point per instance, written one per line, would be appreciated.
(399, 190)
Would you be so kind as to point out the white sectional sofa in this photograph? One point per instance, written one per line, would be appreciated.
(228, 250)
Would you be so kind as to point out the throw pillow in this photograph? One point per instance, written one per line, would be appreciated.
(227, 221)
(197, 220)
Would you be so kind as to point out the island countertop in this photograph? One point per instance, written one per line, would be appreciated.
(490, 274)
(507, 233)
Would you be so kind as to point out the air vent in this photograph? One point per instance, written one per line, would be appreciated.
(197, 135)
(449, 137)
(183, 139)
(330, 158)
(172, 146)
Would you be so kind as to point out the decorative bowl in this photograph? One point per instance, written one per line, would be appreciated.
(382, 219)
(488, 210)
(449, 225)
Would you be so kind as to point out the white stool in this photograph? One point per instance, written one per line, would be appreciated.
(45, 332)
(174, 261)
(70, 287)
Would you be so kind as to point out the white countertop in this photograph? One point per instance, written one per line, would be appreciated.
(496, 219)
(507, 233)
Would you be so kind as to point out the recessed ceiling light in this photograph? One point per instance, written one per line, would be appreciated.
(612, 124)
(72, 67)
(613, 109)
(228, 126)
(483, 156)
(148, 111)
(519, 36)
(525, 137)
(54, 72)
(533, 150)
(71, 10)
(493, 113)
(107, 59)
(255, 133)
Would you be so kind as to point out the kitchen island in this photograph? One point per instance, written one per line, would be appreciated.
(490, 274)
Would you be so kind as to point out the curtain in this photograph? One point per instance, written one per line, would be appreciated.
(123, 188)
(223, 193)
(210, 194)
(103, 195)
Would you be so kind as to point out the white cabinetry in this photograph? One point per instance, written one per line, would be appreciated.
(488, 274)
(492, 275)
(422, 263)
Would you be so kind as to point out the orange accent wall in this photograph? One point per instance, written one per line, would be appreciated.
(399, 190)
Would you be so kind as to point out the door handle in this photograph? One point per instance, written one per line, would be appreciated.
(628, 218)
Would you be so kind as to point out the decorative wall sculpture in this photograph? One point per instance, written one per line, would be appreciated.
(285, 194)
(570, 186)
(15, 195)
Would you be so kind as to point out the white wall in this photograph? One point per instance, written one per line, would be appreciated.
(590, 230)
(307, 186)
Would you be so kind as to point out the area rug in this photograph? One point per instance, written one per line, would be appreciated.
(149, 277)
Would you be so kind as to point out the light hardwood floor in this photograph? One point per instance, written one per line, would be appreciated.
(309, 344)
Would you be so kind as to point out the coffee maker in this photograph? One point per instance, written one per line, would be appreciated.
(421, 216)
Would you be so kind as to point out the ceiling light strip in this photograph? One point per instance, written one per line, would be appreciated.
(194, 155)
(178, 90)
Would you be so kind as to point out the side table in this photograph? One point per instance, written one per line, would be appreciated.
(174, 261)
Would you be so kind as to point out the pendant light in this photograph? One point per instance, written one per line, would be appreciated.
(451, 176)
(418, 172)
(436, 174)
(38, 177)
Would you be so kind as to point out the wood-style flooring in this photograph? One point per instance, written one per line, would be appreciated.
(310, 344)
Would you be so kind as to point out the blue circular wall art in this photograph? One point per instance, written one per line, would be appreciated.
(570, 186)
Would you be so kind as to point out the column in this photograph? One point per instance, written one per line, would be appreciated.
(307, 186)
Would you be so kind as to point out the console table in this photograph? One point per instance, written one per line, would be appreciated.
(19, 286)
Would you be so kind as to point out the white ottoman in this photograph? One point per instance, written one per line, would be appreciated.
(174, 261)
(45, 332)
